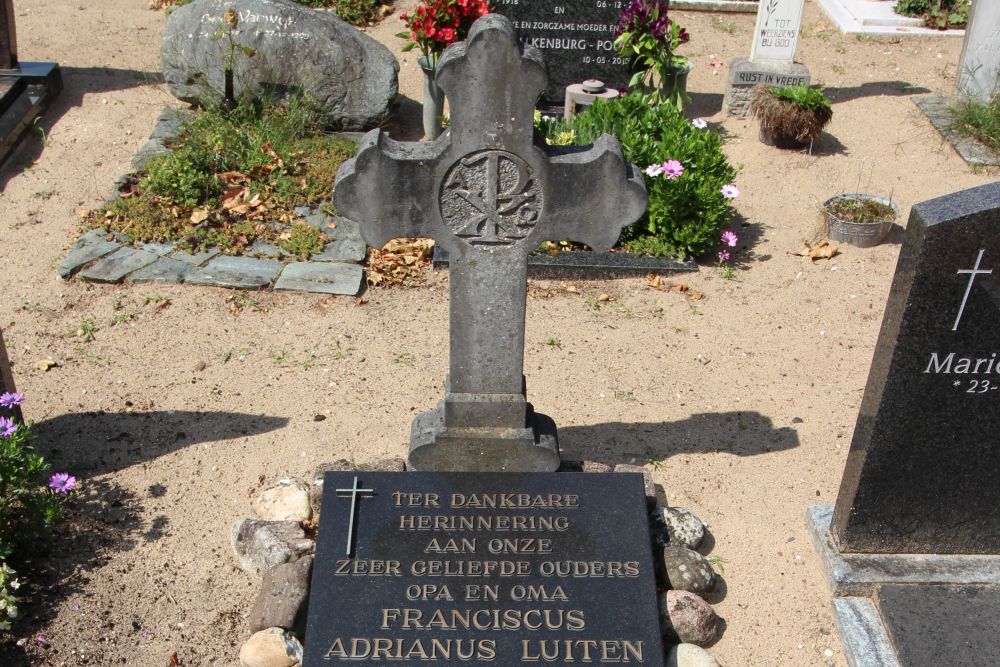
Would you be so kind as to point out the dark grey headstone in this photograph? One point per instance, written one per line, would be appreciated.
(488, 195)
(349, 74)
(562, 564)
(576, 39)
(922, 473)
(932, 626)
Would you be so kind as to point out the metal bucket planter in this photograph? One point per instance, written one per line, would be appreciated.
(859, 234)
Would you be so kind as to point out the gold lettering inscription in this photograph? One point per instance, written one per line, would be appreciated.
(582, 650)
(380, 648)
(483, 523)
(371, 568)
(401, 618)
(515, 500)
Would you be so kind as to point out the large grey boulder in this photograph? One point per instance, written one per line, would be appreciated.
(351, 76)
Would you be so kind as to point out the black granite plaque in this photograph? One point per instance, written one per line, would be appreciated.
(476, 569)
(576, 38)
(922, 473)
(933, 626)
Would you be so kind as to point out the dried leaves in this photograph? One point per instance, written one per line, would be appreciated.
(399, 262)
(654, 281)
(822, 250)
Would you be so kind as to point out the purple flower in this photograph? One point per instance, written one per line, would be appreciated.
(62, 482)
(723, 255)
(730, 239)
(672, 169)
(7, 427)
(654, 170)
(42, 641)
(730, 191)
(701, 124)
(10, 399)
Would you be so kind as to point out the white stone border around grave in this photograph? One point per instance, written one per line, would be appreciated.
(868, 18)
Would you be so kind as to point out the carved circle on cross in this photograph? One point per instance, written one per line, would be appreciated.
(490, 198)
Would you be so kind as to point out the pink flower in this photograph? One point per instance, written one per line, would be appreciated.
(716, 65)
(672, 169)
(730, 239)
(730, 191)
(723, 255)
(62, 482)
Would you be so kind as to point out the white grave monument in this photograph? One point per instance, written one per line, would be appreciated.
(979, 67)
(772, 55)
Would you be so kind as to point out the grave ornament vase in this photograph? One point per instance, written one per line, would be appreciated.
(673, 85)
(433, 101)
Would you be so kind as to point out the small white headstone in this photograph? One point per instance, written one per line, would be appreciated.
(777, 30)
(979, 67)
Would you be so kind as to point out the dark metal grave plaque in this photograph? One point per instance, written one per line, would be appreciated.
(487, 568)
(576, 38)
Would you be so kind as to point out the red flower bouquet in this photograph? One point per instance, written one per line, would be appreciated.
(437, 23)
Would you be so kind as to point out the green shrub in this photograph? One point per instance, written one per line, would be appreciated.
(938, 14)
(686, 213)
(181, 176)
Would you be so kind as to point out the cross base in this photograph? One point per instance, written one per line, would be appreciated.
(435, 447)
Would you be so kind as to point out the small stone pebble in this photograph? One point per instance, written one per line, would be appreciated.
(688, 570)
(287, 500)
(677, 527)
(689, 655)
(271, 648)
(687, 618)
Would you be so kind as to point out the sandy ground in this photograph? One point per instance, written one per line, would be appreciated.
(742, 404)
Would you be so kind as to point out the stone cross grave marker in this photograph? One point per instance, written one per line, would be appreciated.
(923, 472)
(488, 193)
(772, 55)
(979, 66)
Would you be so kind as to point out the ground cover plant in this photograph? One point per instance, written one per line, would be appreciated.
(232, 178)
(979, 120)
(29, 508)
(940, 14)
(688, 177)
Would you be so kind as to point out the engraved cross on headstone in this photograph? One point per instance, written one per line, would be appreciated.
(488, 192)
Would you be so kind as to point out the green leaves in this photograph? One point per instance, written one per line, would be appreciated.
(685, 215)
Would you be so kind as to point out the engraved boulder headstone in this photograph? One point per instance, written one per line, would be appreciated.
(488, 192)
(772, 55)
(979, 66)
